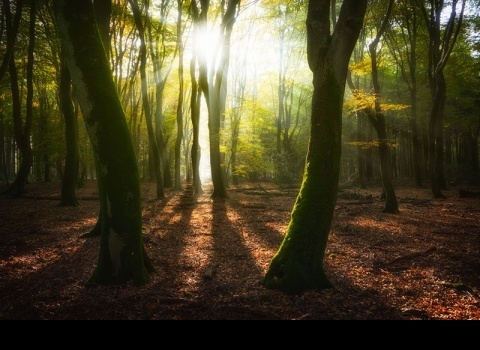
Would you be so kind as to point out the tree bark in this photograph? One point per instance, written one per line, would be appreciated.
(102, 10)
(103, 13)
(122, 255)
(298, 264)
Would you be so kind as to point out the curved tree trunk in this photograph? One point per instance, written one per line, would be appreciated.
(122, 255)
(102, 16)
(298, 264)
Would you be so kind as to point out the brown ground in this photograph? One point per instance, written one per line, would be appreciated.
(210, 258)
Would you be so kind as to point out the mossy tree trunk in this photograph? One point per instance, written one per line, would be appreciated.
(122, 255)
(298, 264)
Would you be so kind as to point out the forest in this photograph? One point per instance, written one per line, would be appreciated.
(243, 160)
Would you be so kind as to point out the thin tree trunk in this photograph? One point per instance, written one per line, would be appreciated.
(196, 151)
(195, 102)
(179, 139)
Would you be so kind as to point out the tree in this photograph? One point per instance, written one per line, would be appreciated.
(22, 130)
(441, 45)
(198, 17)
(181, 92)
(122, 254)
(376, 116)
(213, 83)
(298, 264)
(403, 44)
(153, 140)
(11, 32)
(102, 10)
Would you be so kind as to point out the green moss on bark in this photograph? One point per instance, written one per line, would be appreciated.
(121, 216)
(298, 264)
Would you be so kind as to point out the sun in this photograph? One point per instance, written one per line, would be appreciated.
(207, 43)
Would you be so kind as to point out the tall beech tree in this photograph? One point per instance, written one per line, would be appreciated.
(213, 83)
(152, 137)
(402, 41)
(376, 116)
(12, 25)
(181, 93)
(298, 264)
(199, 17)
(442, 39)
(102, 10)
(23, 129)
(122, 255)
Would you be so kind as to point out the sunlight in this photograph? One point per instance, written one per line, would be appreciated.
(206, 44)
(204, 168)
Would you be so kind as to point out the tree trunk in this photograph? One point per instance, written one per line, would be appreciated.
(146, 103)
(22, 133)
(298, 264)
(70, 175)
(361, 151)
(214, 88)
(12, 26)
(102, 10)
(122, 255)
(436, 137)
(179, 139)
(391, 204)
(103, 13)
(195, 116)
(3, 150)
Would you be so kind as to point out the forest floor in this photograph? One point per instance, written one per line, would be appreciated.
(210, 257)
